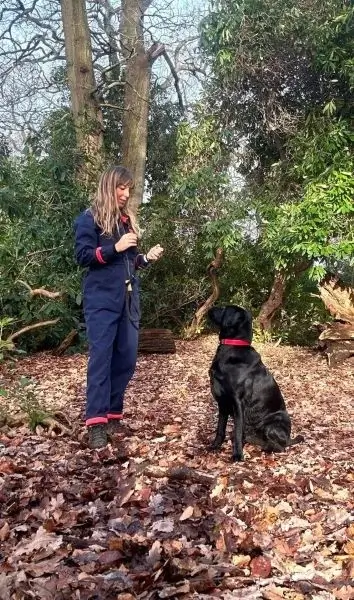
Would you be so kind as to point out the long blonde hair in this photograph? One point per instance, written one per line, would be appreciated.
(104, 208)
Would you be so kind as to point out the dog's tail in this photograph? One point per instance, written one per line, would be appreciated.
(296, 440)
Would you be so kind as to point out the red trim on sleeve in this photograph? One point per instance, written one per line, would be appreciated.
(99, 256)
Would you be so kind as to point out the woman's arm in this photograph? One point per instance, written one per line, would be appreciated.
(87, 251)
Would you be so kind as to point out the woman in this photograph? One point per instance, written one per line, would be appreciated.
(106, 237)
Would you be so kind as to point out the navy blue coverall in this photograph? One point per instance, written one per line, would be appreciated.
(112, 315)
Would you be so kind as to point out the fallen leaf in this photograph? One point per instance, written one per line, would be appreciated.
(240, 560)
(273, 592)
(350, 568)
(261, 567)
(4, 532)
(170, 592)
(217, 490)
(348, 547)
(41, 540)
(172, 429)
(154, 553)
(344, 593)
(187, 513)
(164, 525)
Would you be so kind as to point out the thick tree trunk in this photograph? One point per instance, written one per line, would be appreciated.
(273, 302)
(138, 62)
(193, 329)
(135, 123)
(275, 299)
(86, 110)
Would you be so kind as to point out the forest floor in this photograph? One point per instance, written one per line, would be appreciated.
(155, 515)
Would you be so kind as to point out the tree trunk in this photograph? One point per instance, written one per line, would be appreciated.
(275, 299)
(138, 63)
(193, 329)
(86, 110)
(273, 302)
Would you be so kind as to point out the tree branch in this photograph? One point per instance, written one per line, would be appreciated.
(176, 80)
(40, 291)
(15, 335)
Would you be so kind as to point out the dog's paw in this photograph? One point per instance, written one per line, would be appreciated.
(238, 457)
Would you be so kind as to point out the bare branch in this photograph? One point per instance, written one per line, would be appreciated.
(175, 77)
(15, 335)
(40, 291)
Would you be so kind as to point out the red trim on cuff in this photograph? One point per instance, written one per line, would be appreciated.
(99, 256)
(117, 416)
(96, 421)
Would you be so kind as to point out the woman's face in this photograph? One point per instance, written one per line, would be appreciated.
(122, 195)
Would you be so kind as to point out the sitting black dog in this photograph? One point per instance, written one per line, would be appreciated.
(244, 389)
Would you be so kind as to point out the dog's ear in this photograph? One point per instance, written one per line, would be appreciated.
(215, 314)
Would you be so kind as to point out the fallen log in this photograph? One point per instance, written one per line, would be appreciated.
(337, 341)
(337, 338)
(338, 298)
(159, 341)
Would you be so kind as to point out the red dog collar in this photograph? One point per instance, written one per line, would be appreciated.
(235, 342)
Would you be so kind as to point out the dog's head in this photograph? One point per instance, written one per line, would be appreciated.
(233, 322)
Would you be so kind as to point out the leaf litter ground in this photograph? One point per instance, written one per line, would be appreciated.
(155, 515)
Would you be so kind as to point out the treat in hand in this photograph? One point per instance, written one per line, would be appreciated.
(155, 253)
(126, 241)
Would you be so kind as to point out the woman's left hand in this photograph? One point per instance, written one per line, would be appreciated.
(155, 253)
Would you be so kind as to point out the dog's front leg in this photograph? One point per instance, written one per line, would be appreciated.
(220, 431)
(238, 438)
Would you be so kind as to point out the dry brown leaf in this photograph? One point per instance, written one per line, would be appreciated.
(261, 567)
(273, 592)
(349, 547)
(172, 429)
(344, 593)
(172, 592)
(41, 540)
(217, 490)
(154, 553)
(4, 531)
(240, 560)
(187, 513)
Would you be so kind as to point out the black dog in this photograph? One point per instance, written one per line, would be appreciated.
(244, 389)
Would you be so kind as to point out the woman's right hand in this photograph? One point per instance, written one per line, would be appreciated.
(126, 241)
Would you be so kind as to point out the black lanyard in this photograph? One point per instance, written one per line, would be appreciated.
(128, 281)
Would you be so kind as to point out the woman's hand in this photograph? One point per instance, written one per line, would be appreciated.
(155, 253)
(126, 241)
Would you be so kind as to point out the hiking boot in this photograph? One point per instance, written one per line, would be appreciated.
(114, 426)
(97, 436)
(118, 426)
